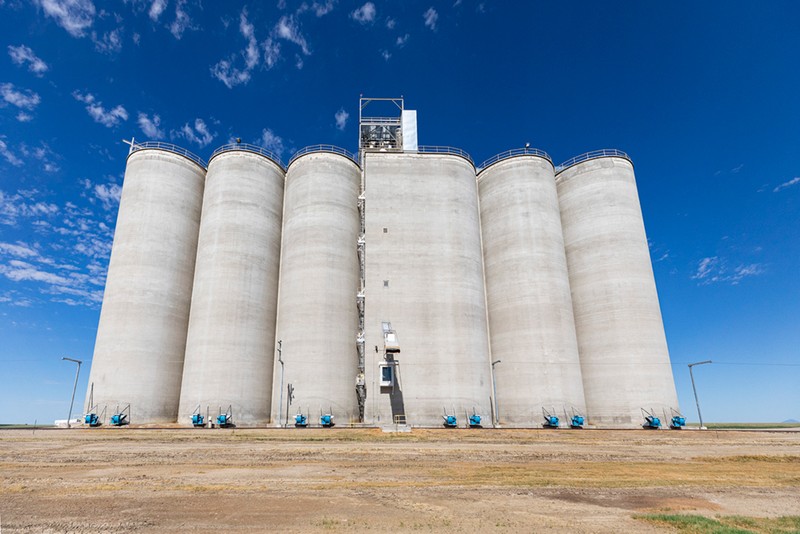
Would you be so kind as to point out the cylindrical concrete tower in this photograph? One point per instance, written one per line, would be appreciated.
(527, 291)
(230, 345)
(424, 275)
(621, 341)
(141, 338)
(319, 280)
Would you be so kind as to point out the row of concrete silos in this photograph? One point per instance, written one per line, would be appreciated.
(450, 259)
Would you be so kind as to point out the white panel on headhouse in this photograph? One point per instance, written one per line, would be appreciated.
(409, 122)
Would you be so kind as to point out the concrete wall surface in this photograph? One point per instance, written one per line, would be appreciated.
(141, 337)
(621, 341)
(319, 280)
(424, 274)
(527, 291)
(230, 345)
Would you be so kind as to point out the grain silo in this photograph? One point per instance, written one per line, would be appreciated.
(424, 285)
(319, 280)
(534, 349)
(621, 341)
(230, 345)
(141, 337)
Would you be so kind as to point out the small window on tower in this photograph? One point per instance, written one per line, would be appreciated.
(385, 283)
(385, 230)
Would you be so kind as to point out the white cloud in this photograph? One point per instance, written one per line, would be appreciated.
(22, 54)
(151, 127)
(790, 183)
(9, 157)
(287, 28)
(15, 206)
(225, 71)
(182, 21)
(75, 16)
(156, 8)
(320, 9)
(19, 250)
(713, 270)
(385, 54)
(271, 141)
(391, 23)
(199, 134)
(23, 99)
(24, 117)
(109, 43)
(431, 17)
(341, 117)
(108, 194)
(272, 52)
(364, 14)
(107, 117)
(402, 40)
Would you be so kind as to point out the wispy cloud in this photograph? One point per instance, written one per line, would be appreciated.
(156, 9)
(75, 16)
(151, 126)
(109, 42)
(341, 117)
(226, 71)
(431, 18)
(108, 194)
(288, 29)
(364, 14)
(22, 54)
(386, 55)
(390, 23)
(10, 157)
(107, 117)
(402, 40)
(198, 134)
(271, 141)
(21, 98)
(182, 21)
(320, 9)
(713, 269)
(14, 206)
(790, 183)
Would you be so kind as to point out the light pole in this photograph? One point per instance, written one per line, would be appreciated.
(280, 391)
(494, 394)
(75, 387)
(691, 375)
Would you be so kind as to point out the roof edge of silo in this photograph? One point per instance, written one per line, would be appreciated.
(514, 153)
(168, 147)
(330, 149)
(594, 154)
(245, 147)
(445, 151)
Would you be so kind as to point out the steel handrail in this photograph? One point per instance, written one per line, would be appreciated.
(169, 147)
(513, 153)
(246, 147)
(594, 154)
(432, 149)
(332, 149)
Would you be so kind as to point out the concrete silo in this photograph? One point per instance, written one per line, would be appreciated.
(527, 290)
(230, 345)
(141, 337)
(621, 341)
(319, 280)
(424, 275)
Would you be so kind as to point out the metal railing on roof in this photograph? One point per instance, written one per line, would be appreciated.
(169, 147)
(245, 147)
(513, 153)
(594, 154)
(332, 149)
(427, 149)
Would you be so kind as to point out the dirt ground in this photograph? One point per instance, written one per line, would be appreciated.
(273, 480)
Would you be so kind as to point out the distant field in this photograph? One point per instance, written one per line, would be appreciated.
(747, 426)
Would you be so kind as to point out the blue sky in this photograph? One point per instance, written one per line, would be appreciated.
(702, 95)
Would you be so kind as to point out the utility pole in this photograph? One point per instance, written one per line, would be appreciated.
(280, 395)
(691, 375)
(494, 394)
(75, 387)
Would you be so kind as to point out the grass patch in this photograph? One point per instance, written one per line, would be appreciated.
(698, 524)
